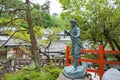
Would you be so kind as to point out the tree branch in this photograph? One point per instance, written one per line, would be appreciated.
(5, 23)
(11, 37)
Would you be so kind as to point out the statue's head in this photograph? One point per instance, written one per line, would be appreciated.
(73, 22)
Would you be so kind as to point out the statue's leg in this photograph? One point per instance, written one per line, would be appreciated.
(76, 62)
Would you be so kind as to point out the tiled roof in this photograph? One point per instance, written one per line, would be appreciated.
(11, 42)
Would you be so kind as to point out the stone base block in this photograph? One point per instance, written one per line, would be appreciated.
(62, 77)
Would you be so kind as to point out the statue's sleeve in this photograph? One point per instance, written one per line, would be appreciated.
(78, 33)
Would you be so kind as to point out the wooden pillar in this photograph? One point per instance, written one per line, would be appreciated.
(101, 61)
(67, 55)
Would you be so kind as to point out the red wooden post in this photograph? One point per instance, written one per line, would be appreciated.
(101, 61)
(67, 55)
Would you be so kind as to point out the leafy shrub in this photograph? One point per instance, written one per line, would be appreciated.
(46, 73)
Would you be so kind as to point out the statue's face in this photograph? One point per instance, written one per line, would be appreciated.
(72, 23)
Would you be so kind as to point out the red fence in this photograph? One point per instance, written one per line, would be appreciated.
(100, 61)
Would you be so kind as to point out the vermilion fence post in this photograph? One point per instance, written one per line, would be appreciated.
(67, 55)
(101, 61)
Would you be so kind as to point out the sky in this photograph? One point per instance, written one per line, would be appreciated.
(55, 6)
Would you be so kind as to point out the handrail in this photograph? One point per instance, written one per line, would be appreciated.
(100, 61)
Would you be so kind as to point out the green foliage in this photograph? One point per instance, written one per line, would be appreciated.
(9, 11)
(46, 73)
(13, 13)
(91, 56)
(53, 71)
(98, 20)
(110, 57)
(20, 35)
(49, 38)
(57, 21)
(37, 17)
(20, 23)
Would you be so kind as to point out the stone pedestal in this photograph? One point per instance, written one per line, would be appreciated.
(74, 73)
(62, 77)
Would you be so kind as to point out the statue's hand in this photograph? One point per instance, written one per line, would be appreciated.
(66, 32)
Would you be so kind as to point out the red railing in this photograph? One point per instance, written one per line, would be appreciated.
(100, 61)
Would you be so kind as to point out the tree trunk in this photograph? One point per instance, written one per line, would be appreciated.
(116, 44)
(110, 41)
(118, 47)
(106, 34)
(34, 48)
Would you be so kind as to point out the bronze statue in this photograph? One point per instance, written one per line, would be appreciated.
(74, 34)
(75, 71)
